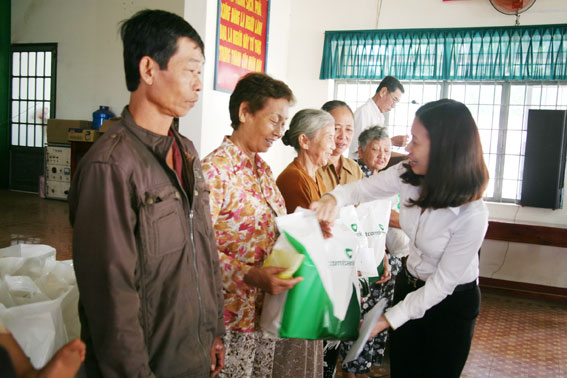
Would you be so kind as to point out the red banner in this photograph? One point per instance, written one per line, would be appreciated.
(242, 34)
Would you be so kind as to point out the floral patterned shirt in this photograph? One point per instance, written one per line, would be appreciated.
(244, 206)
(367, 171)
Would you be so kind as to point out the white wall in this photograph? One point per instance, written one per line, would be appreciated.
(212, 111)
(279, 53)
(206, 123)
(507, 261)
(89, 62)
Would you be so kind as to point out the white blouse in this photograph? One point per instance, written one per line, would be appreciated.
(444, 243)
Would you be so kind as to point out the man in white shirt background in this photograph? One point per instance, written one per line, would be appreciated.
(387, 95)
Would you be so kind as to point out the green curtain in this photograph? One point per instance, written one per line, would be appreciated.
(535, 52)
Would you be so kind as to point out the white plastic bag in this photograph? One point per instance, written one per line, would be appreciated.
(38, 300)
(374, 217)
(342, 269)
(397, 242)
(365, 262)
(348, 215)
(25, 259)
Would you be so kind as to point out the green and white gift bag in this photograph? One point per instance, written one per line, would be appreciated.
(325, 305)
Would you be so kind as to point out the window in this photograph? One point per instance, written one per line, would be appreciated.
(498, 72)
(32, 93)
(500, 109)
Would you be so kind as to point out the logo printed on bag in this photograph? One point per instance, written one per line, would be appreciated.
(374, 233)
(381, 227)
(348, 252)
(354, 227)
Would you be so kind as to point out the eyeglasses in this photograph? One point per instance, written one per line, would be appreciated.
(394, 99)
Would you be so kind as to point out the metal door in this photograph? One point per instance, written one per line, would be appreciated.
(32, 103)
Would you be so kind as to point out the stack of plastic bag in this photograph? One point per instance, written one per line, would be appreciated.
(374, 217)
(367, 260)
(325, 305)
(38, 299)
(397, 241)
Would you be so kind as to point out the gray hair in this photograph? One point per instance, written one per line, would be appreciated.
(370, 134)
(308, 122)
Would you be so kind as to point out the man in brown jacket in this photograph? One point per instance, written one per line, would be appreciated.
(143, 245)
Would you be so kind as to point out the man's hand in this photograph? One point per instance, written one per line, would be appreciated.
(400, 140)
(217, 356)
(267, 280)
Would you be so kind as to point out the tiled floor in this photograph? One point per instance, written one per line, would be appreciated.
(519, 338)
(26, 218)
(514, 337)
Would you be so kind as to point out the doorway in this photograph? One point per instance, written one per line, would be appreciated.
(32, 102)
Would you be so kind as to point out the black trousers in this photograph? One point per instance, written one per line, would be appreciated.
(438, 344)
(6, 366)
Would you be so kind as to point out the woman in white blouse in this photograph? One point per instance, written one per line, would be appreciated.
(436, 295)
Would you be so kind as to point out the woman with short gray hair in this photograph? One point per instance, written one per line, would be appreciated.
(372, 133)
(374, 150)
(311, 133)
(308, 122)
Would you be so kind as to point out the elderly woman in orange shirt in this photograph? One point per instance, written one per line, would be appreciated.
(311, 133)
(244, 203)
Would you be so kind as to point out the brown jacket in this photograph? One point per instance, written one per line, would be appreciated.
(145, 257)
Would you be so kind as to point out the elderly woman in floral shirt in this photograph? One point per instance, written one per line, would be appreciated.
(244, 203)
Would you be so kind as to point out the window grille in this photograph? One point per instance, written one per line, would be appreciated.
(32, 100)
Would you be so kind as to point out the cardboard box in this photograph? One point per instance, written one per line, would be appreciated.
(82, 135)
(108, 122)
(57, 129)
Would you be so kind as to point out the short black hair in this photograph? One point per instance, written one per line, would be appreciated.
(456, 173)
(152, 33)
(255, 88)
(391, 83)
(334, 104)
